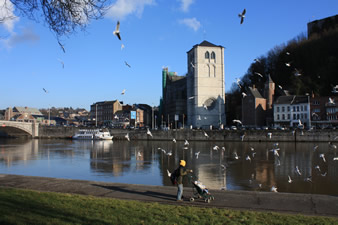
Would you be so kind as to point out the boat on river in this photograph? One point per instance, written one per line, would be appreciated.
(92, 134)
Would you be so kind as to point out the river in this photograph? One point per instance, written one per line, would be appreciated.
(146, 162)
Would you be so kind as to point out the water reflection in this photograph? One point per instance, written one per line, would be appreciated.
(256, 168)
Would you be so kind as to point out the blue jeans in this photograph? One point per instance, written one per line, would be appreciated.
(179, 191)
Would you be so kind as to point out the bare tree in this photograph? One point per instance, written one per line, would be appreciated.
(63, 17)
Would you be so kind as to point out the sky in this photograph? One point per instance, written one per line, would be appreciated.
(155, 33)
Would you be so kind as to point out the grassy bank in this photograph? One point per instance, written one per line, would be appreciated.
(32, 207)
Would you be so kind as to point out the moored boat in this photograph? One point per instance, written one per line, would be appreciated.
(92, 134)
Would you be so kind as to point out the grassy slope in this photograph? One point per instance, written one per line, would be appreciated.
(32, 207)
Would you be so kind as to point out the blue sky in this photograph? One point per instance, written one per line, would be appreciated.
(155, 33)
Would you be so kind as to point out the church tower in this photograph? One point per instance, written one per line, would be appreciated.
(269, 92)
(205, 85)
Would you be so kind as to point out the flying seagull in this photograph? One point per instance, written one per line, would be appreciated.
(280, 87)
(169, 174)
(289, 180)
(288, 64)
(244, 95)
(123, 92)
(197, 154)
(127, 137)
(297, 73)
(127, 64)
(323, 157)
(122, 46)
(331, 101)
(205, 134)
(274, 189)
(237, 121)
(269, 135)
(192, 97)
(298, 171)
(242, 15)
(63, 65)
(259, 74)
(62, 47)
(174, 140)
(257, 60)
(117, 30)
(248, 158)
(193, 66)
(288, 53)
(149, 133)
(44, 90)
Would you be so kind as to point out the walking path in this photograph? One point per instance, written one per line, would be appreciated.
(322, 205)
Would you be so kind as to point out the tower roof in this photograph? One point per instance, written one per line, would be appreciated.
(206, 44)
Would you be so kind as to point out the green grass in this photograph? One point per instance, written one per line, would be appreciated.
(31, 207)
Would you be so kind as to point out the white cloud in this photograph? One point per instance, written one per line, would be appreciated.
(27, 35)
(123, 8)
(7, 17)
(193, 23)
(185, 4)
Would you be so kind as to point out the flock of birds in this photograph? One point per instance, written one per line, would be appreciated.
(250, 157)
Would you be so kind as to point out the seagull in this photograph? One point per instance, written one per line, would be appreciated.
(123, 92)
(122, 46)
(62, 47)
(308, 179)
(149, 133)
(274, 189)
(293, 99)
(235, 154)
(242, 15)
(248, 158)
(288, 53)
(300, 123)
(257, 60)
(288, 64)
(275, 151)
(276, 144)
(63, 65)
(298, 171)
(259, 74)
(252, 149)
(331, 101)
(238, 82)
(197, 154)
(127, 137)
(186, 143)
(44, 90)
(290, 181)
(174, 140)
(269, 135)
(323, 157)
(332, 145)
(117, 30)
(317, 167)
(223, 167)
(297, 73)
(237, 121)
(169, 153)
(169, 174)
(139, 154)
(335, 158)
(280, 87)
(192, 97)
(242, 137)
(192, 65)
(116, 117)
(127, 64)
(216, 148)
(323, 174)
(205, 134)
(244, 95)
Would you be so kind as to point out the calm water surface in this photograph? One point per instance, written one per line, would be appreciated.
(142, 162)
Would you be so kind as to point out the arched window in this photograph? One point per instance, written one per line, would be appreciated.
(207, 55)
(213, 55)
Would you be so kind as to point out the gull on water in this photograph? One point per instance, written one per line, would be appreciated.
(242, 15)
(117, 30)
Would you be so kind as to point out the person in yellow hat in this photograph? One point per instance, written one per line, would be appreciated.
(181, 172)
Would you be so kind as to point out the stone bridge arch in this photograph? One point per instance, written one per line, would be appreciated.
(13, 128)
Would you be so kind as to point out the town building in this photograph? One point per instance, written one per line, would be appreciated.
(205, 86)
(27, 114)
(103, 112)
(174, 98)
(292, 111)
(318, 27)
(324, 111)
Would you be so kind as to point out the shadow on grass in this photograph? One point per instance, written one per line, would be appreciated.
(153, 194)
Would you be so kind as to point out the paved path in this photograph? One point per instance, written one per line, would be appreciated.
(323, 205)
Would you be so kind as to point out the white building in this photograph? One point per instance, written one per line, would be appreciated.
(289, 110)
(205, 85)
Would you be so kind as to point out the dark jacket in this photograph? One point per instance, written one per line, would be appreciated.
(181, 172)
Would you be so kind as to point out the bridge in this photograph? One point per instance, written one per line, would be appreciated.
(15, 129)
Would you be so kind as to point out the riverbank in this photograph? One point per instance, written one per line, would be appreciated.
(200, 135)
(316, 205)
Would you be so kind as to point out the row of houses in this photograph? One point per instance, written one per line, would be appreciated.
(284, 110)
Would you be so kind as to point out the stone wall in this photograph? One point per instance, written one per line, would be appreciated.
(198, 135)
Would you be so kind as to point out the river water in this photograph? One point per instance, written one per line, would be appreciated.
(147, 162)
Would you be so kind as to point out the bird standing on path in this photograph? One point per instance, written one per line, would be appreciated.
(242, 15)
(117, 30)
